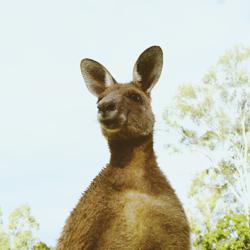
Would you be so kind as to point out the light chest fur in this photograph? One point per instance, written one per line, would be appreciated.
(144, 221)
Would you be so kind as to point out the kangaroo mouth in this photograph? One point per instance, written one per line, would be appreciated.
(110, 124)
(114, 124)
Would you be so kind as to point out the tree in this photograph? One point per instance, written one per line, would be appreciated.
(231, 232)
(41, 246)
(20, 233)
(213, 118)
(22, 226)
(4, 239)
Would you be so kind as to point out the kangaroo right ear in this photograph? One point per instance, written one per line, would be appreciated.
(148, 68)
(96, 76)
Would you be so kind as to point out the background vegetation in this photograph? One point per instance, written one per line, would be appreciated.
(213, 118)
(20, 233)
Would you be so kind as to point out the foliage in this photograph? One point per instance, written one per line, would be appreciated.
(20, 231)
(231, 232)
(41, 246)
(213, 118)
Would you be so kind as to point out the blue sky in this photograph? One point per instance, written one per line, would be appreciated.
(51, 146)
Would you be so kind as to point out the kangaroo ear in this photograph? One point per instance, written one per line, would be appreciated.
(148, 68)
(96, 76)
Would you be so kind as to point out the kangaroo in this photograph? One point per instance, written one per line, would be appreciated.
(130, 205)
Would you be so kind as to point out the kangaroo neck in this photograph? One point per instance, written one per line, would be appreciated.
(125, 153)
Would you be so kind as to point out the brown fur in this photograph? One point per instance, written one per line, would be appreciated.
(130, 205)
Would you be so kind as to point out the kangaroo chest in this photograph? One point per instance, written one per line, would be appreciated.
(137, 219)
(138, 206)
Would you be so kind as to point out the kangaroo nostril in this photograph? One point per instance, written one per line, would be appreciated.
(110, 107)
(106, 107)
(99, 107)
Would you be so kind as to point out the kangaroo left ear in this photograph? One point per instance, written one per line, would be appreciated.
(148, 67)
(96, 76)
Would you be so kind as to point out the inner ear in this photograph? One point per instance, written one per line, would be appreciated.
(96, 76)
(148, 67)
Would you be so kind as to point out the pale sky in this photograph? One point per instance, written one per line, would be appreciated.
(51, 146)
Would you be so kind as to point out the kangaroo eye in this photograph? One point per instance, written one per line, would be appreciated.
(135, 97)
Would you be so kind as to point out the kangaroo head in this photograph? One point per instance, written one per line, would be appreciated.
(124, 110)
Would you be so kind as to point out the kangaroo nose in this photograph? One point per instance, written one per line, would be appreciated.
(106, 107)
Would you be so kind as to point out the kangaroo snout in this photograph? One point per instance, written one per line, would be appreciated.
(107, 111)
(106, 107)
(108, 114)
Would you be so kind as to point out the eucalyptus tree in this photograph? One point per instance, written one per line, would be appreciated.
(213, 118)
